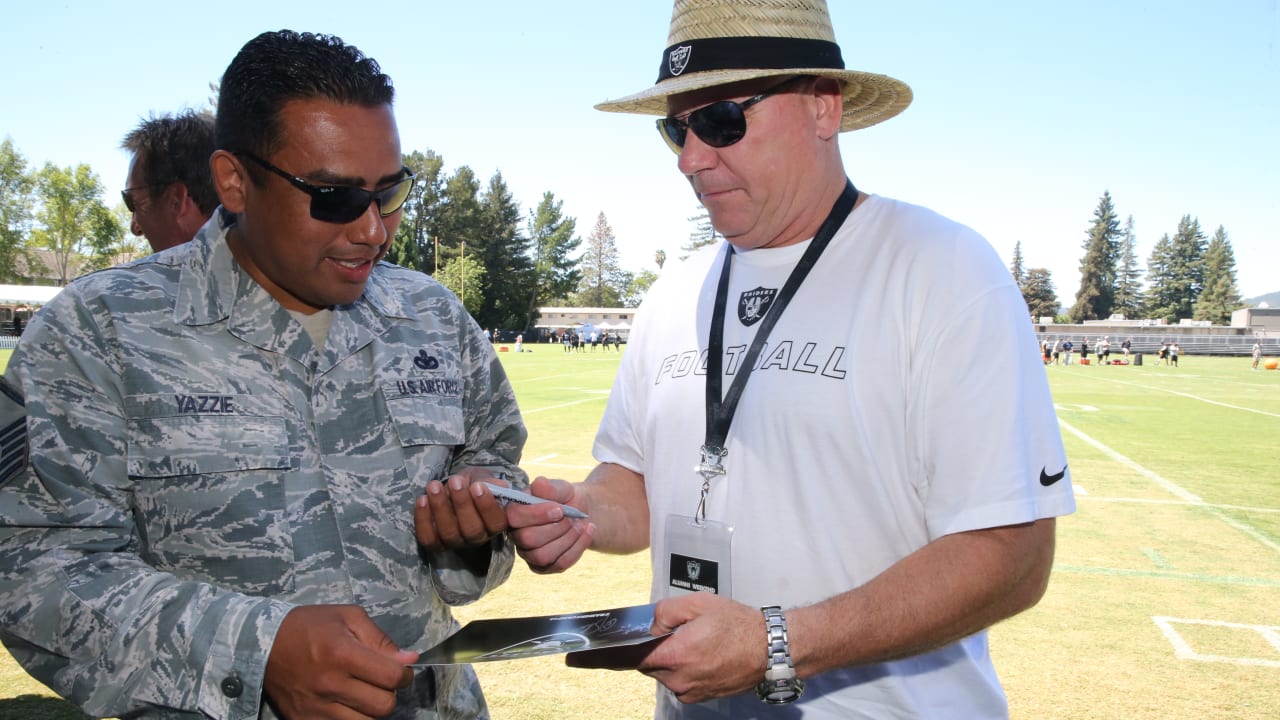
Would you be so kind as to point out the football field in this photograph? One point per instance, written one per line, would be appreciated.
(1165, 598)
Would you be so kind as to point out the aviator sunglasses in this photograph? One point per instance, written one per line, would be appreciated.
(719, 124)
(344, 203)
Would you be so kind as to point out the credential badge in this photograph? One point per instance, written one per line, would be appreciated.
(678, 60)
(753, 304)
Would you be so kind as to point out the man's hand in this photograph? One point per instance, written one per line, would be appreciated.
(717, 649)
(332, 661)
(547, 540)
(459, 513)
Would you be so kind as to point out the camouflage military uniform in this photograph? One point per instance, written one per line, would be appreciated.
(198, 468)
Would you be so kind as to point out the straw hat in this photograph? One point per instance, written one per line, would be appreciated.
(716, 42)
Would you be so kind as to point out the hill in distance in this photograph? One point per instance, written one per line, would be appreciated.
(1271, 299)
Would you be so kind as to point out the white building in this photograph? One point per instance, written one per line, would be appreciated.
(584, 319)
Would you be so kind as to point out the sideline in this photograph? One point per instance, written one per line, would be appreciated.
(1174, 489)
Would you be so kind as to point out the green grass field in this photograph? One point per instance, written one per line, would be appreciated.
(1164, 603)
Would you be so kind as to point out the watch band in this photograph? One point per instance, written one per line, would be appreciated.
(781, 684)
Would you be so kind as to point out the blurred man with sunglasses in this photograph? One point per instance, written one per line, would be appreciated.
(831, 431)
(169, 189)
(249, 490)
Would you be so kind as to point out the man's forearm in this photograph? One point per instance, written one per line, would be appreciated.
(953, 587)
(615, 499)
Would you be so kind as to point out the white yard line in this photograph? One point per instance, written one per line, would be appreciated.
(1192, 397)
(601, 398)
(1183, 650)
(1173, 489)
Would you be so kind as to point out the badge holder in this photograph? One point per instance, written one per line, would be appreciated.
(699, 557)
(699, 551)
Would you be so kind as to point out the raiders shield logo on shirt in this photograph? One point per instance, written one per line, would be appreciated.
(753, 304)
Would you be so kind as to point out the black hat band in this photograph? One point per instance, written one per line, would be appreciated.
(756, 53)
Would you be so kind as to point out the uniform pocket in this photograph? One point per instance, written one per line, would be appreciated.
(426, 410)
(208, 487)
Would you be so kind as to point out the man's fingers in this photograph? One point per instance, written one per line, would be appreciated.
(557, 554)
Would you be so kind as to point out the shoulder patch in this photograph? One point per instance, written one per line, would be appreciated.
(13, 432)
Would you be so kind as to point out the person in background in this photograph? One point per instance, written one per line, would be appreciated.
(169, 189)
(855, 489)
(250, 490)
(1257, 352)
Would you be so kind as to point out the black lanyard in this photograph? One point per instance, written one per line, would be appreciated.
(720, 409)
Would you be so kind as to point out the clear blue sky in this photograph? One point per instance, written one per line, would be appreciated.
(1024, 112)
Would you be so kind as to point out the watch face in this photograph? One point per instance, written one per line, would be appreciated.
(781, 696)
(780, 692)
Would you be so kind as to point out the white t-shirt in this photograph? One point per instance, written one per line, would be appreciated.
(900, 398)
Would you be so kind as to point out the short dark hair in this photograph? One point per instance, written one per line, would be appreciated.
(277, 67)
(176, 148)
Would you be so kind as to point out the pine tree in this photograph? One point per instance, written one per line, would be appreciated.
(1041, 296)
(551, 238)
(1160, 300)
(1016, 267)
(1128, 284)
(603, 282)
(1096, 296)
(1220, 296)
(703, 233)
(457, 217)
(1187, 272)
(504, 252)
(414, 244)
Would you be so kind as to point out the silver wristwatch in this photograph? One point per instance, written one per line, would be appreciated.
(781, 685)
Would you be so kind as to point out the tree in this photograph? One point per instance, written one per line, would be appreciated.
(465, 276)
(504, 252)
(1220, 296)
(70, 214)
(1038, 291)
(1181, 272)
(637, 287)
(106, 242)
(1096, 296)
(603, 282)
(414, 244)
(555, 273)
(640, 282)
(457, 217)
(1016, 266)
(17, 200)
(703, 233)
(1128, 286)
(1159, 299)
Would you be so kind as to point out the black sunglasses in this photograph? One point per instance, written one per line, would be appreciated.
(344, 203)
(719, 124)
(127, 194)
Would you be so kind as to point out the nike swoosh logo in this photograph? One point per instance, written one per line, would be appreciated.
(1046, 479)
